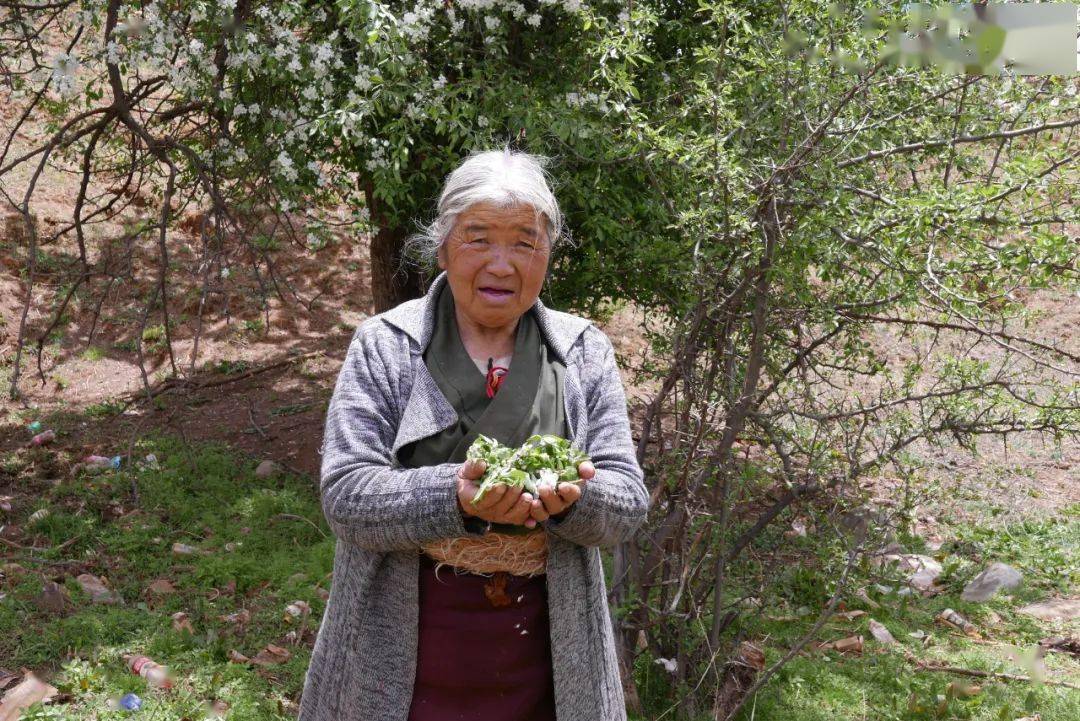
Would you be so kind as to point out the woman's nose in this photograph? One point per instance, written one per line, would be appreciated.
(499, 261)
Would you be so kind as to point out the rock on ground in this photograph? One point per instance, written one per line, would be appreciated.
(1057, 609)
(993, 578)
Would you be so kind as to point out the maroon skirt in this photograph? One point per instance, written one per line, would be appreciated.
(484, 650)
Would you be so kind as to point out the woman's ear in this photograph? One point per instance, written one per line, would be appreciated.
(440, 255)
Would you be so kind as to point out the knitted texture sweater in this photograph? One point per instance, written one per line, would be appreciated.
(364, 661)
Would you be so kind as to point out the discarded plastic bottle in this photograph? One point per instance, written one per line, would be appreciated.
(42, 438)
(155, 674)
(130, 702)
(34, 427)
(101, 462)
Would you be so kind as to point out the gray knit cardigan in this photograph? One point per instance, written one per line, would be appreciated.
(364, 661)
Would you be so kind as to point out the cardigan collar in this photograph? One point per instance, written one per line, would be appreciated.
(417, 319)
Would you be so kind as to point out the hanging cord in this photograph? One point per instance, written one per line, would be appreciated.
(495, 375)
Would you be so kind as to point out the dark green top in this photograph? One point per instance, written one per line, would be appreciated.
(529, 399)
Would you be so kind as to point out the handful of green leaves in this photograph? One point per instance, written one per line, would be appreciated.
(546, 459)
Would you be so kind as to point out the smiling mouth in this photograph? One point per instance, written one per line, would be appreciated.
(496, 292)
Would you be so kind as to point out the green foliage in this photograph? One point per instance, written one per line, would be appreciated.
(541, 460)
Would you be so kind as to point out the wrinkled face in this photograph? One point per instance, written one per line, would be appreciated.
(495, 261)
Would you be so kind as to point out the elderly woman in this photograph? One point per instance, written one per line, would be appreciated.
(441, 608)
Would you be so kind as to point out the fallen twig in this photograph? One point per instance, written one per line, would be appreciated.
(925, 666)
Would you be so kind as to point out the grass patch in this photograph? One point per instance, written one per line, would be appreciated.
(93, 353)
(249, 558)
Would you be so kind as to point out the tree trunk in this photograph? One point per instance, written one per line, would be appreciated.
(393, 281)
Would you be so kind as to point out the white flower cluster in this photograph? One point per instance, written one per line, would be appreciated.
(579, 100)
(314, 167)
(64, 68)
(241, 109)
(285, 163)
(416, 23)
(363, 79)
(378, 154)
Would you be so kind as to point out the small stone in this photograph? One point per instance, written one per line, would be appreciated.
(97, 590)
(1058, 609)
(881, 634)
(266, 469)
(996, 576)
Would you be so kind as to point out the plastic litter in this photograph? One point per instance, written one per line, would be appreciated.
(44, 437)
(101, 463)
(155, 674)
(130, 702)
(34, 427)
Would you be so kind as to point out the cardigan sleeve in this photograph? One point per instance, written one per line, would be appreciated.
(614, 502)
(366, 499)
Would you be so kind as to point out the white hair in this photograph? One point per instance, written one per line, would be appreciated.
(504, 178)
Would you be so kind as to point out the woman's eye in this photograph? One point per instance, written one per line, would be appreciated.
(480, 241)
(525, 244)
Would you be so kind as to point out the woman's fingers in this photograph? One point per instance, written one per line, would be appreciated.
(569, 492)
(492, 498)
(553, 505)
(538, 512)
(509, 499)
(472, 470)
(521, 510)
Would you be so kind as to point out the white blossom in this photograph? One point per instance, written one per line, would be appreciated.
(533, 20)
(286, 165)
(439, 83)
(482, 121)
(492, 22)
(572, 6)
(64, 69)
(517, 10)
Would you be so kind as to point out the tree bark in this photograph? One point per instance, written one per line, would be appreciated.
(393, 281)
